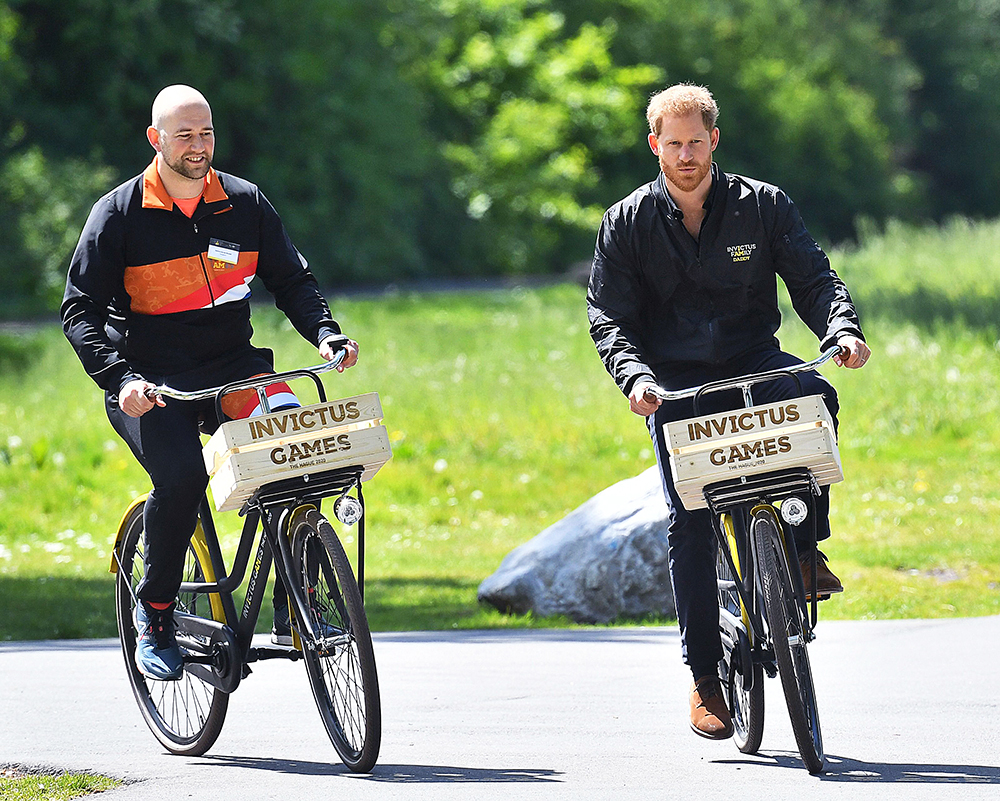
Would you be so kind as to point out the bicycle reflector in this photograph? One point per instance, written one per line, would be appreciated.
(794, 510)
(348, 509)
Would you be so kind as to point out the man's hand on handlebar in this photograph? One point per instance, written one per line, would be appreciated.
(854, 353)
(329, 351)
(640, 402)
(136, 398)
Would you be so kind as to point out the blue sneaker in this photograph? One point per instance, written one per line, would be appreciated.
(156, 653)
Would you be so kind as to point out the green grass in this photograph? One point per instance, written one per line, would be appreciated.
(502, 420)
(18, 785)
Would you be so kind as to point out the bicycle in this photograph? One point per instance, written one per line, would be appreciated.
(759, 471)
(275, 469)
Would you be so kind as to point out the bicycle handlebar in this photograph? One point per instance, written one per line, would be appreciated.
(744, 381)
(202, 394)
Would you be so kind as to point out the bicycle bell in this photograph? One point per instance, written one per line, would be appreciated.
(794, 510)
(348, 509)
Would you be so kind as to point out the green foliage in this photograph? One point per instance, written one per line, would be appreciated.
(797, 109)
(18, 352)
(540, 104)
(953, 121)
(52, 199)
(927, 275)
(306, 103)
(417, 138)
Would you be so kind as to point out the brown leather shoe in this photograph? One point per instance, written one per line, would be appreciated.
(709, 715)
(826, 582)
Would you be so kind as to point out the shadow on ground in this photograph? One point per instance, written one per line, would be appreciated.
(848, 769)
(402, 774)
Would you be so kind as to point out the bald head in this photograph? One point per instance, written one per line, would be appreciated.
(183, 138)
(173, 99)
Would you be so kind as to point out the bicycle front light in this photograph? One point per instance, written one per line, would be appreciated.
(794, 510)
(348, 509)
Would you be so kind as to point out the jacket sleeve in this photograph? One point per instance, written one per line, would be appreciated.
(287, 276)
(613, 306)
(89, 296)
(818, 295)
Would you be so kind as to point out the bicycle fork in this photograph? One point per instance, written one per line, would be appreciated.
(280, 535)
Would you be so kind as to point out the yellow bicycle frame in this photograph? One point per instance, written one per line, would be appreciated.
(198, 543)
(292, 521)
(730, 531)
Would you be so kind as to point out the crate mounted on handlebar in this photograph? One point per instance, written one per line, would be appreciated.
(244, 455)
(778, 436)
(793, 434)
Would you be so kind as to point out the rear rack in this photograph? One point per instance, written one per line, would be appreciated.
(723, 496)
(308, 488)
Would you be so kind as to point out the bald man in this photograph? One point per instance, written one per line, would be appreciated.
(158, 293)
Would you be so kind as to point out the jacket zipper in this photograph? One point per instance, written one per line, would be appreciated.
(208, 283)
(204, 270)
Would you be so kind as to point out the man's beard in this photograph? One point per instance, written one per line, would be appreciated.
(686, 182)
(191, 171)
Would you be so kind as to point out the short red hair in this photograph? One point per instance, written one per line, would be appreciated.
(681, 100)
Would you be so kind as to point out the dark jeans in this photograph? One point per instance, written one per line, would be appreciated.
(166, 442)
(691, 542)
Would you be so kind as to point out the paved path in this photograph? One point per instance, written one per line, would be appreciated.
(909, 708)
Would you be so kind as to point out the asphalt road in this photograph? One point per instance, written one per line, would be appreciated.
(910, 710)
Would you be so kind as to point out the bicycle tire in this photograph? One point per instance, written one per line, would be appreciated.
(341, 667)
(185, 715)
(784, 619)
(745, 706)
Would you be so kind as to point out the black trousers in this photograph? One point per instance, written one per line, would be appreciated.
(167, 444)
(691, 542)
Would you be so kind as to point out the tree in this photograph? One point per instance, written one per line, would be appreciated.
(525, 108)
(955, 105)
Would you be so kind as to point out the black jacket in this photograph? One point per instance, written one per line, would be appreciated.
(659, 301)
(144, 294)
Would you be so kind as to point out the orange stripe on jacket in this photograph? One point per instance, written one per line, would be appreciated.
(179, 284)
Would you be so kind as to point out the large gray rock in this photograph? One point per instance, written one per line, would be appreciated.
(605, 560)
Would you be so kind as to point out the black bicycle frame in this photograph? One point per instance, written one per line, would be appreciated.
(271, 508)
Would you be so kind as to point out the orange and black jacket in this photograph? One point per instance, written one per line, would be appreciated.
(144, 297)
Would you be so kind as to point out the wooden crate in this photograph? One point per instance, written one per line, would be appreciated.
(243, 455)
(777, 436)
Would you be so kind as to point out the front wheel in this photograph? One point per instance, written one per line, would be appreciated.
(341, 661)
(745, 705)
(185, 715)
(784, 620)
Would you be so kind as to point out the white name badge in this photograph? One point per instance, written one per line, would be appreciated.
(220, 250)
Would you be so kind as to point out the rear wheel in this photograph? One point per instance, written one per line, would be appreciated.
(745, 705)
(185, 715)
(341, 662)
(784, 619)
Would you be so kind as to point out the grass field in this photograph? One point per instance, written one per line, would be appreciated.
(502, 420)
(17, 785)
